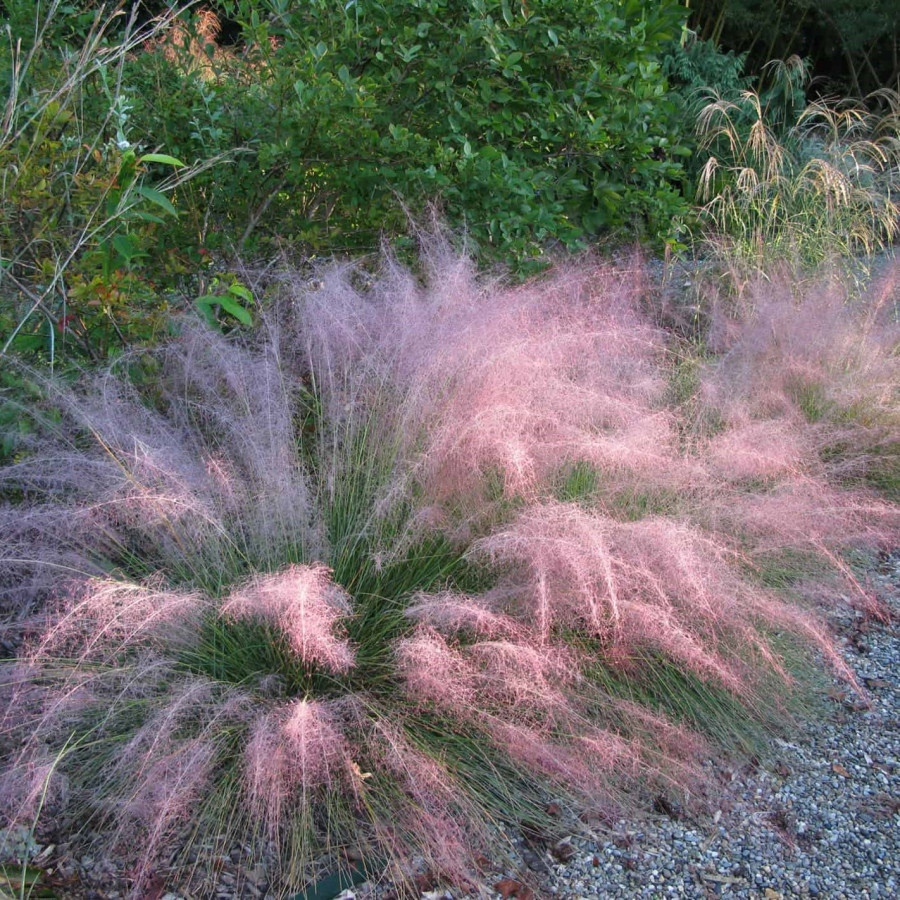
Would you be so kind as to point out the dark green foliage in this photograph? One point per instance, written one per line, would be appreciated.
(695, 67)
(319, 128)
(531, 125)
(852, 42)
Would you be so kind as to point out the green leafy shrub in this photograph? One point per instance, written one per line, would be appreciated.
(694, 67)
(532, 125)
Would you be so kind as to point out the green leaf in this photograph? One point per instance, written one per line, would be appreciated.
(204, 304)
(144, 216)
(155, 196)
(235, 308)
(163, 158)
(227, 303)
(124, 246)
(240, 291)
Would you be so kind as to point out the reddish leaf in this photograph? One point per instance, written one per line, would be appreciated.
(425, 882)
(508, 888)
(155, 888)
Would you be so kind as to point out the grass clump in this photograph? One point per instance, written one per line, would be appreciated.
(809, 182)
(402, 567)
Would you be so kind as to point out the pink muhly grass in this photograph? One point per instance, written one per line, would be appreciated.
(294, 751)
(543, 384)
(436, 672)
(766, 450)
(164, 791)
(488, 378)
(808, 514)
(441, 821)
(809, 355)
(103, 619)
(157, 779)
(566, 556)
(29, 785)
(504, 678)
(443, 413)
(205, 478)
(604, 754)
(41, 547)
(590, 769)
(245, 401)
(524, 678)
(306, 605)
(163, 803)
(450, 612)
(655, 583)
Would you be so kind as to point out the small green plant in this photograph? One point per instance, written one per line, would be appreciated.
(226, 296)
(82, 204)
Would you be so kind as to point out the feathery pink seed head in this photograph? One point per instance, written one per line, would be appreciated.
(304, 603)
(293, 751)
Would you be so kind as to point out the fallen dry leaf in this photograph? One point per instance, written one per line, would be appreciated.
(509, 888)
(563, 851)
(425, 882)
(838, 769)
(155, 888)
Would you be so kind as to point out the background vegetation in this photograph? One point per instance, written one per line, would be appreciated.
(147, 147)
(852, 43)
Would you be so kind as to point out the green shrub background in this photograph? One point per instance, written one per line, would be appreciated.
(150, 150)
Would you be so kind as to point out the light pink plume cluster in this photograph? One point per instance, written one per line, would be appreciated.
(812, 355)
(489, 379)
(306, 605)
(488, 677)
(293, 751)
(762, 451)
(105, 619)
